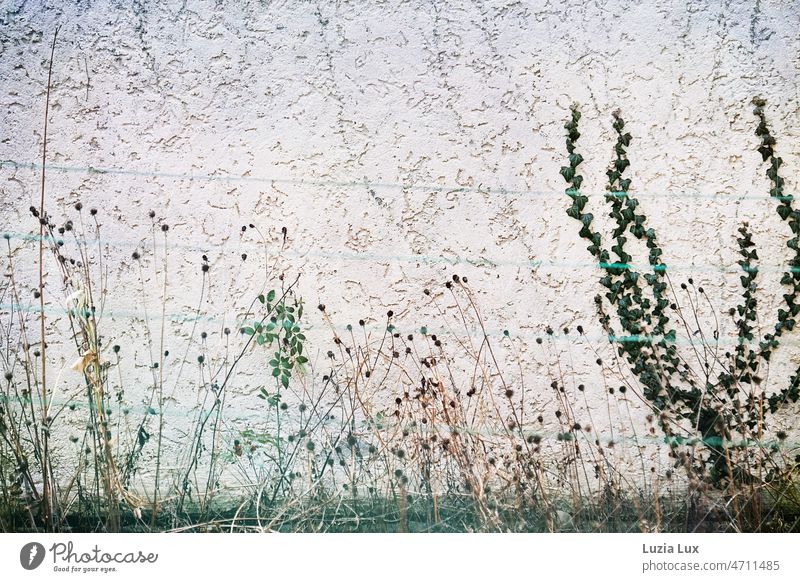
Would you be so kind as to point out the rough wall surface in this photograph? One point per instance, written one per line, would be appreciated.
(398, 142)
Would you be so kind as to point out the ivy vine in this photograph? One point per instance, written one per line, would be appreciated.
(648, 340)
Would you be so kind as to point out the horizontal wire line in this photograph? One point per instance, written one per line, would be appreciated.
(342, 328)
(430, 259)
(377, 421)
(352, 184)
(365, 256)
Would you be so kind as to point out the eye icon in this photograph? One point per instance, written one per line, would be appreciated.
(31, 555)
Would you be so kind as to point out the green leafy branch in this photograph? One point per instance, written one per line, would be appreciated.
(791, 278)
(634, 310)
(281, 331)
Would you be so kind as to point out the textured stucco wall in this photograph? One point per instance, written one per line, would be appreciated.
(398, 142)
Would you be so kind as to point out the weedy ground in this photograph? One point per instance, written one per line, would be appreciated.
(390, 432)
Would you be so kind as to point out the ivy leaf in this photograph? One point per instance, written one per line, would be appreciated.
(575, 159)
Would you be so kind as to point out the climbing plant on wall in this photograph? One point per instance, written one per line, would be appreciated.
(725, 412)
